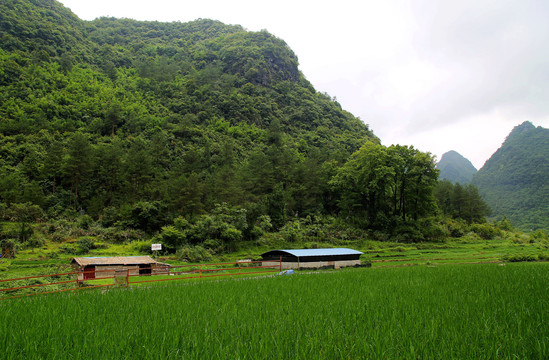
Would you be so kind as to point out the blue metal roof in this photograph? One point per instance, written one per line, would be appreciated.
(319, 252)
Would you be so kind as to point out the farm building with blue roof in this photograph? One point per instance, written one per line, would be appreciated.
(312, 258)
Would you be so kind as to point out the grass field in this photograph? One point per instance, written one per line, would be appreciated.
(446, 312)
(38, 261)
(467, 250)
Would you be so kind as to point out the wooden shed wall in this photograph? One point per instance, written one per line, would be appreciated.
(108, 271)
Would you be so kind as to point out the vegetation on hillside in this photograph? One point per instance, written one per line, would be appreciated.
(514, 180)
(194, 134)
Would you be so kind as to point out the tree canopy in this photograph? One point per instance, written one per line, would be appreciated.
(385, 184)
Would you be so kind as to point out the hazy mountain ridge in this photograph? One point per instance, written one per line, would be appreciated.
(455, 168)
(514, 181)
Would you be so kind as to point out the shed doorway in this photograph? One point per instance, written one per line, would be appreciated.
(89, 272)
(145, 269)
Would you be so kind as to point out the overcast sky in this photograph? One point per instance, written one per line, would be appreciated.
(437, 74)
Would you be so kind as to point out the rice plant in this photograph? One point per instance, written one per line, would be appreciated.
(449, 312)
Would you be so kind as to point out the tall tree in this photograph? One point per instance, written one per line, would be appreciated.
(415, 178)
(109, 171)
(77, 164)
(363, 182)
(382, 182)
(139, 168)
(53, 163)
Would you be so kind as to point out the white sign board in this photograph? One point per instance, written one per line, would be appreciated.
(156, 247)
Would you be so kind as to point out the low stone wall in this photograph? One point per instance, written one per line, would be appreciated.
(312, 265)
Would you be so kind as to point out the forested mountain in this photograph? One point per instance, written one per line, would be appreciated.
(455, 168)
(197, 133)
(515, 180)
(103, 113)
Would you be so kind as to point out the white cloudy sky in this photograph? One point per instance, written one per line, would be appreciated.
(437, 74)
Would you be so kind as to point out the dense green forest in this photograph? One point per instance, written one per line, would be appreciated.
(197, 133)
(514, 180)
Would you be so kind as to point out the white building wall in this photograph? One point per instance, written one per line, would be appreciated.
(311, 265)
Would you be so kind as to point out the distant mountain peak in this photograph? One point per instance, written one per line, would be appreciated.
(525, 125)
(455, 168)
(453, 153)
(519, 129)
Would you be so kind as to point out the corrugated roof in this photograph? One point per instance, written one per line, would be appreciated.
(113, 260)
(318, 252)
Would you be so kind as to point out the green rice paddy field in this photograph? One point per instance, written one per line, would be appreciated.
(487, 311)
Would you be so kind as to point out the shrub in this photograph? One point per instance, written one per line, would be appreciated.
(543, 257)
(264, 223)
(85, 222)
(505, 224)
(292, 232)
(311, 245)
(85, 244)
(147, 216)
(172, 237)
(213, 245)
(380, 235)
(34, 242)
(214, 227)
(70, 249)
(470, 238)
(143, 247)
(231, 235)
(194, 254)
(110, 216)
(120, 236)
(3, 208)
(485, 231)
(8, 247)
(271, 240)
(432, 230)
(181, 223)
(457, 228)
(57, 237)
(519, 238)
(538, 236)
(256, 232)
(519, 258)
(407, 232)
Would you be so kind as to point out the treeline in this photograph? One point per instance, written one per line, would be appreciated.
(461, 202)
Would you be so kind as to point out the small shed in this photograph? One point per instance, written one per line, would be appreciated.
(106, 267)
(312, 258)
